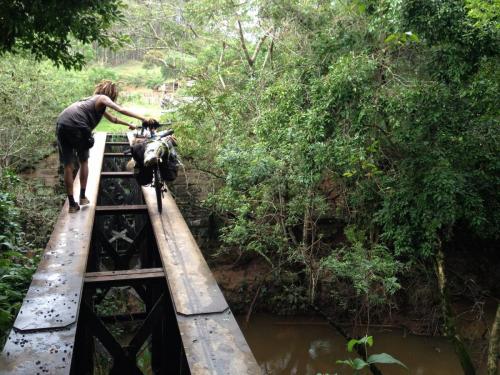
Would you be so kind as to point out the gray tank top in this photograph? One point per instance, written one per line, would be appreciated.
(81, 114)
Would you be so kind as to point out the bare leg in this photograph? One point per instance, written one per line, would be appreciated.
(84, 173)
(68, 178)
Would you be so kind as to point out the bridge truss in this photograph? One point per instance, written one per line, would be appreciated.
(122, 289)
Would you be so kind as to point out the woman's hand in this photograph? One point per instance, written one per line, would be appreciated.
(132, 127)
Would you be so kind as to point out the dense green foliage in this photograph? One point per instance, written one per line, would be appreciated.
(27, 215)
(15, 268)
(32, 96)
(350, 141)
(381, 115)
(50, 28)
(135, 75)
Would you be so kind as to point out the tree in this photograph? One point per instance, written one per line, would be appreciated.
(50, 28)
(389, 104)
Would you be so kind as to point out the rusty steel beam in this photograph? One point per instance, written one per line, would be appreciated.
(193, 287)
(211, 338)
(43, 334)
(122, 209)
(117, 174)
(214, 344)
(217, 347)
(117, 277)
(116, 154)
(117, 144)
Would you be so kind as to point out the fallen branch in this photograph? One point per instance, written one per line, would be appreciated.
(249, 312)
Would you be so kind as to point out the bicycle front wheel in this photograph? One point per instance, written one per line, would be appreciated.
(158, 186)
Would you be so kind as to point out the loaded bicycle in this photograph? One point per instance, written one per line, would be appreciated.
(156, 159)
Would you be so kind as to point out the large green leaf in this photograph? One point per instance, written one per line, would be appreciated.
(384, 358)
(367, 340)
(5, 319)
(356, 363)
(359, 364)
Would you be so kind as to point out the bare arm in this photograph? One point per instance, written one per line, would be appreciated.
(107, 102)
(116, 120)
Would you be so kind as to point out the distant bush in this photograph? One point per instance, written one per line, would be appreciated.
(143, 78)
(97, 73)
(31, 96)
(128, 97)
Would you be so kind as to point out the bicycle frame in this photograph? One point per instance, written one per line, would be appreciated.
(157, 183)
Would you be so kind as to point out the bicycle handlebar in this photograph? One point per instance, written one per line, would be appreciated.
(154, 125)
(144, 127)
(158, 135)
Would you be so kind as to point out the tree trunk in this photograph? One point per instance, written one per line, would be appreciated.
(449, 321)
(494, 347)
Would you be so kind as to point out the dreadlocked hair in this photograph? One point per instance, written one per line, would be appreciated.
(108, 88)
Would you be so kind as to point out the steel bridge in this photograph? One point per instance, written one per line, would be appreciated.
(122, 289)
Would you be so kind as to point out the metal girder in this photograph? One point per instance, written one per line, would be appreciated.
(192, 285)
(130, 317)
(122, 363)
(117, 144)
(122, 209)
(112, 278)
(211, 338)
(124, 358)
(192, 328)
(121, 261)
(50, 309)
(133, 246)
(121, 235)
(214, 344)
(116, 154)
(117, 174)
(44, 352)
(101, 238)
(146, 329)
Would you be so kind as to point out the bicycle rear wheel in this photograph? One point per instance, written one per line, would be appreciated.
(158, 185)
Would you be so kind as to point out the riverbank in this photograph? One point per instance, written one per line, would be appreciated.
(284, 343)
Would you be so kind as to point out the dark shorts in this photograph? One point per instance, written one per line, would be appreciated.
(68, 143)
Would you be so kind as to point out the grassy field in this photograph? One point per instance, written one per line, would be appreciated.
(135, 95)
(147, 110)
(133, 74)
(108, 127)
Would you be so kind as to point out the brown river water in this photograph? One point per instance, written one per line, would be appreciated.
(307, 346)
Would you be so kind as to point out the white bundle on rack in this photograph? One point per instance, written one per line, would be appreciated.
(154, 153)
